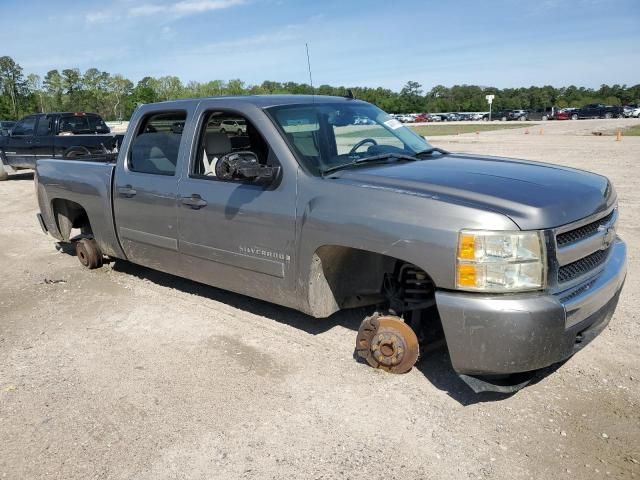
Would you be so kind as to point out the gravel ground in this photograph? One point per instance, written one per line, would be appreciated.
(128, 373)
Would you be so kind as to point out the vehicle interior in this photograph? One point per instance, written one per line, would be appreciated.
(223, 133)
(155, 147)
(324, 135)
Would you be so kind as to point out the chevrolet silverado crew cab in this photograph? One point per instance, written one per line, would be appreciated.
(516, 264)
(46, 135)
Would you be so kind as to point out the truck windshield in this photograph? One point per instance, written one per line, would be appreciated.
(327, 135)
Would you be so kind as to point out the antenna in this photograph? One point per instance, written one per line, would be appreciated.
(309, 66)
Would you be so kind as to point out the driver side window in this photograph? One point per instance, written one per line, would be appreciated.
(25, 127)
(223, 133)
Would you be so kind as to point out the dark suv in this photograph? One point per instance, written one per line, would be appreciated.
(541, 114)
(502, 115)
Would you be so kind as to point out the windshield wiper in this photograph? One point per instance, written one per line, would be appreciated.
(371, 159)
(429, 151)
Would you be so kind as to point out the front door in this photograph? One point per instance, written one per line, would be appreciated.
(145, 192)
(236, 234)
(19, 149)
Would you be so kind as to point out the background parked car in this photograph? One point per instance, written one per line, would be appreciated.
(543, 114)
(502, 115)
(5, 126)
(422, 117)
(597, 110)
(239, 127)
(565, 114)
(631, 111)
(520, 115)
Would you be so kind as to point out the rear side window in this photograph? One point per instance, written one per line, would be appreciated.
(155, 148)
(74, 125)
(82, 123)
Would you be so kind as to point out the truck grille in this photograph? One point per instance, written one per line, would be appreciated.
(584, 249)
(582, 266)
(583, 232)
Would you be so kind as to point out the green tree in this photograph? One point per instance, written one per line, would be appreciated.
(119, 89)
(53, 87)
(12, 83)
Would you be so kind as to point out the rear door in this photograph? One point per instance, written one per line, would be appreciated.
(19, 150)
(145, 188)
(237, 235)
(590, 111)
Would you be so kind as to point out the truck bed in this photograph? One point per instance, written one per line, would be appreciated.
(91, 182)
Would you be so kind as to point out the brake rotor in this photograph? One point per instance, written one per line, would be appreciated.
(387, 343)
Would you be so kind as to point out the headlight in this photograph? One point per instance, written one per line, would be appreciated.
(500, 261)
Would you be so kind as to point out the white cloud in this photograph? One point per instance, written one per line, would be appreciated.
(184, 7)
(147, 9)
(98, 17)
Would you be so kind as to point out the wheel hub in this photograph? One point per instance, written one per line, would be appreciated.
(386, 342)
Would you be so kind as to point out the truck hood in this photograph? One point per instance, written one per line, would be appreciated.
(534, 195)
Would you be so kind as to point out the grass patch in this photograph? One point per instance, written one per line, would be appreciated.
(631, 131)
(454, 129)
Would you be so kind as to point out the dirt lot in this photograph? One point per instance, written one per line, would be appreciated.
(128, 373)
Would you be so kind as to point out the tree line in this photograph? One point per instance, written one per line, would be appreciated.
(115, 97)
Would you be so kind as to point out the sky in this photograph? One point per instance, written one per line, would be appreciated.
(375, 43)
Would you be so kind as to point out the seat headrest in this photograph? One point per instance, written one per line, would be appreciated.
(216, 143)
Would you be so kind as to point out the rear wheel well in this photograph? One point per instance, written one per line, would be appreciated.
(70, 215)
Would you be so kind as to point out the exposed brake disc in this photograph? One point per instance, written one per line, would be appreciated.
(386, 342)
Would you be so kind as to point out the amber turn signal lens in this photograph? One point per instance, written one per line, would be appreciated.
(467, 247)
(466, 275)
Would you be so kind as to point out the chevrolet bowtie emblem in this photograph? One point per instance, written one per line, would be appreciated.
(608, 237)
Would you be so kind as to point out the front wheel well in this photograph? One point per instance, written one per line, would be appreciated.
(69, 215)
(343, 277)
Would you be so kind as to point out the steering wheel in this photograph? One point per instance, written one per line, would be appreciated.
(362, 142)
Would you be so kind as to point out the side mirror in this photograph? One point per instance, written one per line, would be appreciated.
(245, 166)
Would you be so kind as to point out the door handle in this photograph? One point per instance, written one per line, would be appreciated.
(195, 201)
(126, 191)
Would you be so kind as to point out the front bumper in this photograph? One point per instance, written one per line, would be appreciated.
(505, 334)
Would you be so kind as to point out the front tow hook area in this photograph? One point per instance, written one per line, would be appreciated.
(387, 343)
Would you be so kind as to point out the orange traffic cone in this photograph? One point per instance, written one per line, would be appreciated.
(619, 136)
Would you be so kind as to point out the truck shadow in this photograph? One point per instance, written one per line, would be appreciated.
(433, 364)
(347, 318)
(21, 176)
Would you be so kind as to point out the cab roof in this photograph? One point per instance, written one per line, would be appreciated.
(265, 101)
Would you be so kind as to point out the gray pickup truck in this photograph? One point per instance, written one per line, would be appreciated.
(515, 264)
